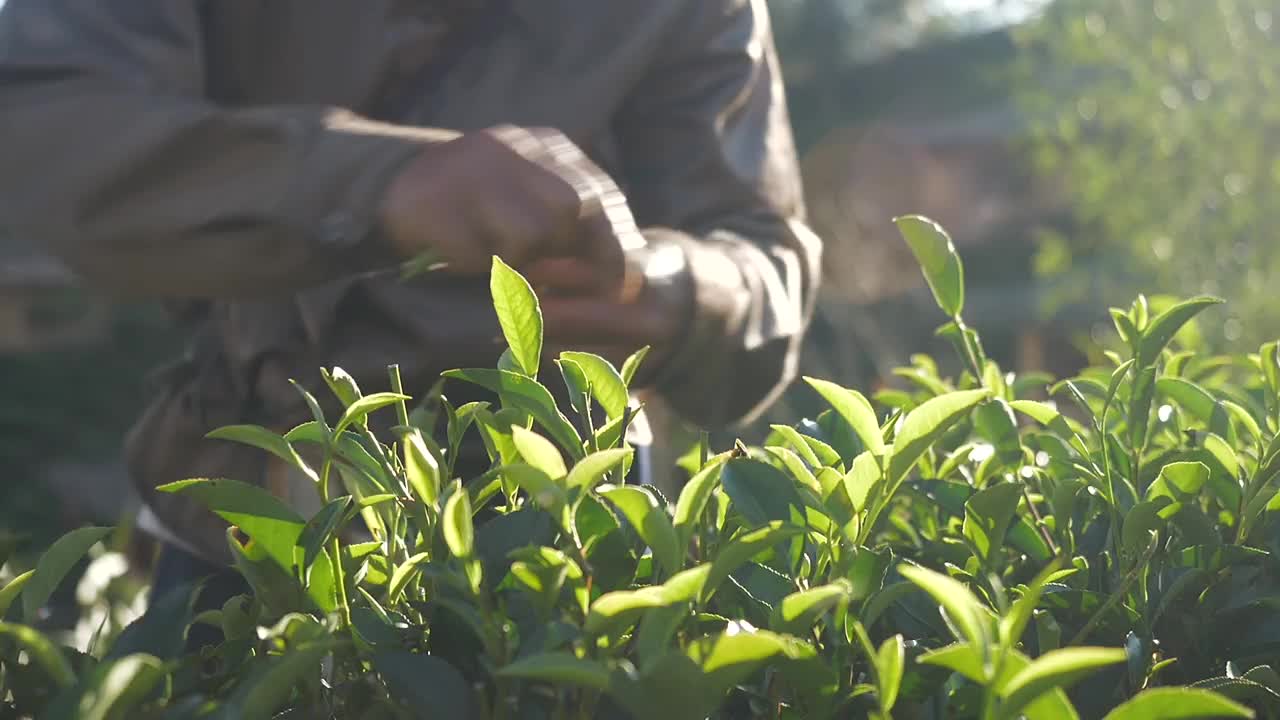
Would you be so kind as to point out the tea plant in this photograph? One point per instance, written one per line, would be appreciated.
(962, 548)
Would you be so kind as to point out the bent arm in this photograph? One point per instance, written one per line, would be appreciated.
(115, 160)
(710, 165)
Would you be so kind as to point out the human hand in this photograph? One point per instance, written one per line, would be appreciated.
(525, 195)
(652, 309)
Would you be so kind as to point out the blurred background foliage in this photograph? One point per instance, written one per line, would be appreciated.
(1158, 119)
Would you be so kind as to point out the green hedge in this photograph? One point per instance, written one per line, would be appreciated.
(965, 548)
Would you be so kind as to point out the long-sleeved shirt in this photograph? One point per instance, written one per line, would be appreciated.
(235, 153)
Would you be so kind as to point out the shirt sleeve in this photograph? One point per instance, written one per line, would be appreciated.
(116, 160)
(710, 165)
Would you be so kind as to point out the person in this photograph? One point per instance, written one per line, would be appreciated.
(267, 166)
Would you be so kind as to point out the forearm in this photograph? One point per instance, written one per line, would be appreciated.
(116, 158)
(177, 198)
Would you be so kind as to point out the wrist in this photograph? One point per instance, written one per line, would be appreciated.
(667, 281)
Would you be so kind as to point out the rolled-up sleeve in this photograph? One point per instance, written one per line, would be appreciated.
(710, 164)
(113, 157)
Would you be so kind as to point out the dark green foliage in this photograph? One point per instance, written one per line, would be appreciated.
(971, 550)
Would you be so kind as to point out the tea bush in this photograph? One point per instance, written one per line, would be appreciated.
(965, 548)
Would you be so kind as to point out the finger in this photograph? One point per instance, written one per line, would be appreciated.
(557, 197)
(581, 321)
(564, 276)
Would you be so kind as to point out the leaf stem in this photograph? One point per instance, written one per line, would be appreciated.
(1040, 523)
(1117, 595)
(335, 546)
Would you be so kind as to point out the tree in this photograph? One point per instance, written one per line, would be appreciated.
(1157, 117)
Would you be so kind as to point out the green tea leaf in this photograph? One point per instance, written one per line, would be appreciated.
(1141, 520)
(994, 422)
(615, 611)
(799, 471)
(320, 530)
(1144, 386)
(1179, 481)
(595, 468)
(357, 413)
(519, 314)
(962, 607)
(562, 668)
(270, 684)
(693, 500)
(731, 658)
(10, 592)
(577, 384)
(539, 452)
(1167, 324)
(1051, 418)
(272, 525)
(938, 260)
(1052, 705)
(343, 386)
(856, 411)
(1014, 623)
(958, 657)
(42, 652)
(264, 439)
(161, 631)
(547, 493)
(459, 534)
(419, 682)
(861, 480)
(650, 520)
(113, 689)
(987, 516)
(742, 548)
(1058, 669)
(799, 611)
(528, 395)
(1170, 703)
(607, 384)
(1195, 400)
(404, 573)
(890, 664)
(54, 565)
(924, 425)
(1125, 328)
(421, 469)
(798, 444)
(760, 492)
(633, 363)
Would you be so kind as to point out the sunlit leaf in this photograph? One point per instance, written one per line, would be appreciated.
(607, 384)
(922, 427)
(856, 410)
(650, 520)
(459, 533)
(1169, 703)
(519, 314)
(528, 395)
(1055, 669)
(962, 607)
(54, 565)
(938, 260)
(1164, 326)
